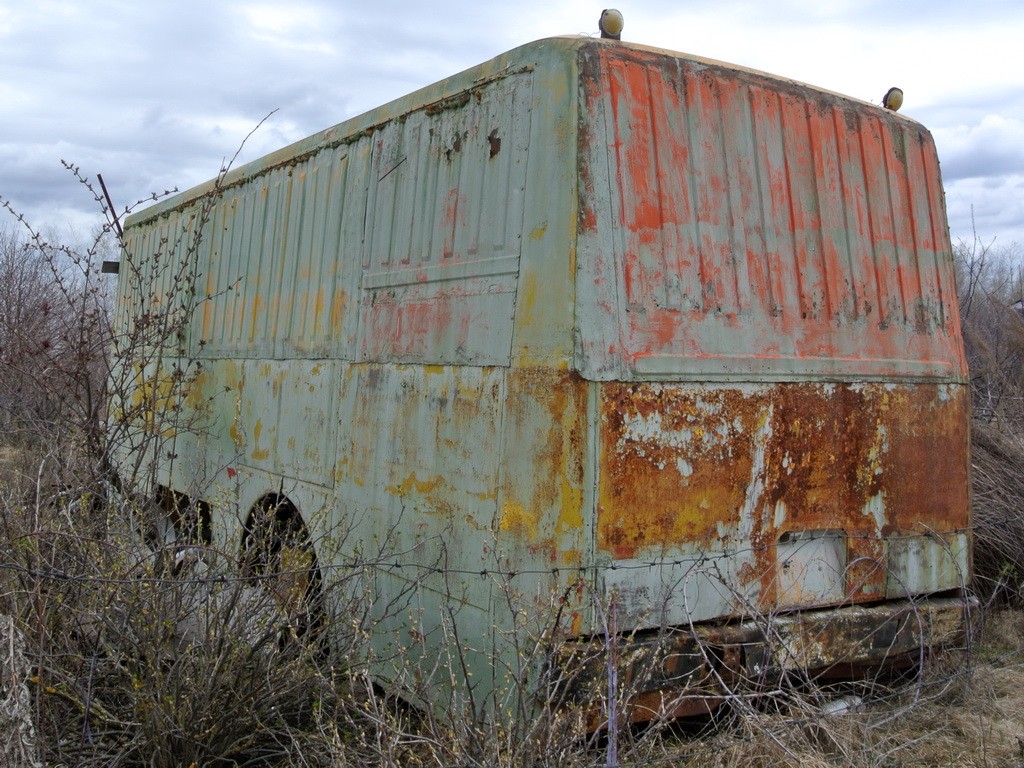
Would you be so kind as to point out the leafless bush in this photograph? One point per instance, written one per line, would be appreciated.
(991, 284)
(143, 659)
(188, 655)
(139, 655)
(998, 486)
(54, 340)
(991, 292)
(17, 724)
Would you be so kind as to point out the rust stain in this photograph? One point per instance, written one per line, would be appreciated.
(260, 454)
(527, 299)
(516, 518)
(571, 557)
(412, 482)
(687, 673)
(710, 467)
(570, 515)
(338, 307)
(546, 430)
(156, 399)
(494, 143)
(318, 307)
(674, 467)
(455, 219)
(276, 382)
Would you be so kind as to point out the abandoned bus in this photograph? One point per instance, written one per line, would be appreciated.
(594, 344)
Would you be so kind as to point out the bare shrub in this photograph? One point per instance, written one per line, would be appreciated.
(169, 671)
(173, 656)
(142, 652)
(991, 295)
(991, 284)
(54, 341)
(998, 505)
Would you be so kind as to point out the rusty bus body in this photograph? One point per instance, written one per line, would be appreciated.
(603, 321)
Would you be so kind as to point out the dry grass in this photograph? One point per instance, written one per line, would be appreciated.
(997, 455)
(974, 720)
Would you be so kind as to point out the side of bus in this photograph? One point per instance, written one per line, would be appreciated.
(588, 324)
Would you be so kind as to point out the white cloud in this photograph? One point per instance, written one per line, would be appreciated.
(157, 94)
(992, 147)
(991, 207)
(292, 27)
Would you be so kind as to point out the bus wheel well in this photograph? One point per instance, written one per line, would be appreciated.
(277, 551)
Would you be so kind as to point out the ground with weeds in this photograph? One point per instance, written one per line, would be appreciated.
(110, 681)
(968, 712)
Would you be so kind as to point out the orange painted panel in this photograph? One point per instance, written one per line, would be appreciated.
(757, 228)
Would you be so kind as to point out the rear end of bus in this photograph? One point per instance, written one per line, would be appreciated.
(767, 314)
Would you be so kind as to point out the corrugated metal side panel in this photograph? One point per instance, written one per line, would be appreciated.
(274, 263)
(443, 229)
(749, 226)
(422, 214)
(156, 257)
(281, 418)
(409, 471)
(146, 389)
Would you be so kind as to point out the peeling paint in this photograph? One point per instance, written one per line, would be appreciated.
(518, 520)
(689, 468)
(420, 486)
(258, 453)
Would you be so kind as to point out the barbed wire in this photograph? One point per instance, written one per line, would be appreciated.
(390, 563)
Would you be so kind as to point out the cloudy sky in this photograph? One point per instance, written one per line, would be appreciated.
(154, 94)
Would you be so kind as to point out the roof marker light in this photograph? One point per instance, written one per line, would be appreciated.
(610, 24)
(893, 99)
